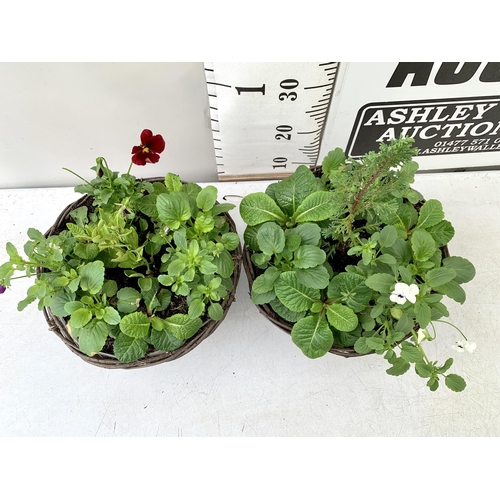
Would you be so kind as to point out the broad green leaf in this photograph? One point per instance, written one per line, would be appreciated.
(262, 298)
(292, 191)
(439, 276)
(411, 353)
(219, 208)
(128, 349)
(111, 316)
(224, 264)
(351, 289)
(431, 213)
(196, 308)
(265, 282)
(173, 208)
(423, 369)
(316, 207)
(442, 232)
(135, 325)
(215, 311)
(423, 245)
(380, 282)
(92, 277)
(182, 326)
(464, 269)
(313, 336)
(294, 295)
(284, 312)
(206, 198)
(128, 300)
(315, 277)
(341, 317)
(361, 347)
(399, 367)
(271, 238)
(256, 208)
(422, 314)
(333, 160)
(388, 236)
(109, 288)
(453, 290)
(308, 256)
(401, 251)
(80, 318)
(310, 233)
(230, 241)
(92, 338)
(455, 382)
(250, 237)
(164, 341)
(173, 182)
(292, 242)
(35, 234)
(147, 205)
(60, 299)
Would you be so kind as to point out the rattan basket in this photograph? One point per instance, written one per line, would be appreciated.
(286, 326)
(152, 357)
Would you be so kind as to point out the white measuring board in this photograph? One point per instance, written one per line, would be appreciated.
(268, 118)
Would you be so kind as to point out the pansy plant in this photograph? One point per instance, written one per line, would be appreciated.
(353, 257)
(140, 268)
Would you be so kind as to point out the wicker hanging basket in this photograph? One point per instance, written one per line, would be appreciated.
(152, 356)
(286, 326)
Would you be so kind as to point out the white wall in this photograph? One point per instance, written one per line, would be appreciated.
(55, 115)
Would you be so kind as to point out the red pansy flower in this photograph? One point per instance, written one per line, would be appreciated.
(149, 150)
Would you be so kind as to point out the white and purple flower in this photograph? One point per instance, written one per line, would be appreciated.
(403, 292)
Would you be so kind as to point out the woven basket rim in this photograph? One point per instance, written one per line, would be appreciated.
(153, 357)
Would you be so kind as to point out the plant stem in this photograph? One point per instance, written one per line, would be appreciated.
(80, 177)
(129, 168)
(451, 324)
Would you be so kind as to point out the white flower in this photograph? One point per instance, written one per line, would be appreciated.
(464, 345)
(403, 292)
(421, 335)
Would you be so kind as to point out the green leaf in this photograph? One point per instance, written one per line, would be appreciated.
(147, 205)
(206, 198)
(439, 276)
(224, 263)
(310, 233)
(294, 295)
(92, 338)
(111, 316)
(351, 289)
(271, 238)
(442, 232)
(173, 208)
(265, 282)
(128, 349)
(431, 213)
(453, 290)
(173, 182)
(230, 241)
(59, 300)
(164, 341)
(464, 269)
(284, 312)
(399, 366)
(361, 347)
(388, 236)
(315, 277)
(341, 317)
(222, 207)
(182, 326)
(316, 207)
(196, 308)
(333, 160)
(262, 298)
(292, 191)
(308, 256)
(455, 382)
(35, 234)
(128, 300)
(215, 311)
(80, 318)
(256, 208)
(422, 314)
(109, 288)
(92, 277)
(422, 244)
(411, 353)
(135, 325)
(313, 336)
(380, 282)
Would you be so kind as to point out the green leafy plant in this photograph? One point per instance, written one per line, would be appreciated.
(355, 257)
(140, 266)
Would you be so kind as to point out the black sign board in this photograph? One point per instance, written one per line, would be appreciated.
(439, 126)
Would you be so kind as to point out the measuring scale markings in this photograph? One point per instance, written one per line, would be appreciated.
(268, 118)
